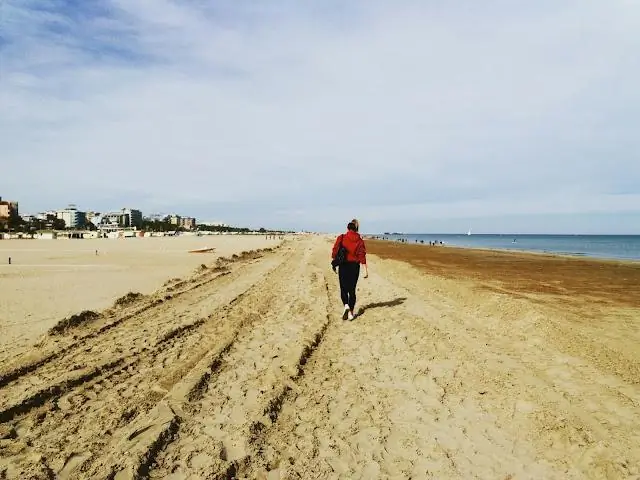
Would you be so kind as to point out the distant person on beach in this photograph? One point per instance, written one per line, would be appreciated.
(349, 270)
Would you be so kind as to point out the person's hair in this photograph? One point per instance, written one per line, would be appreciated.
(353, 225)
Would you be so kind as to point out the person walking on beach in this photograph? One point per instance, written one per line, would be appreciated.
(349, 269)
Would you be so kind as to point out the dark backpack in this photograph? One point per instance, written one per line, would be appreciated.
(341, 256)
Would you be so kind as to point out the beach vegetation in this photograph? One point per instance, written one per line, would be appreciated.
(73, 321)
(222, 229)
(128, 299)
(18, 224)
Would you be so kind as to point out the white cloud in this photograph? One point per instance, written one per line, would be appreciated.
(297, 107)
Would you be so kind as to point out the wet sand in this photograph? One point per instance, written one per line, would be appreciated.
(245, 370)
(608, 282)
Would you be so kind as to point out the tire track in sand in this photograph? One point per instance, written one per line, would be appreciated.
(210, 423)
(52, 348)
(122, 340)
(109, 398)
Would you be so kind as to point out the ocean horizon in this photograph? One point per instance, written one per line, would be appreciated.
(615, 246)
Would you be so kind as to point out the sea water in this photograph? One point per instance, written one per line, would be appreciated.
(600, 246)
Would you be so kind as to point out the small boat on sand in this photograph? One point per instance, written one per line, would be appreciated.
(202, 250)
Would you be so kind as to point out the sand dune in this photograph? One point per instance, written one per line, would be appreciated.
(245, 370)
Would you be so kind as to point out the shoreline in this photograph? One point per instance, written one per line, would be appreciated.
(518, 273)
(544, 253)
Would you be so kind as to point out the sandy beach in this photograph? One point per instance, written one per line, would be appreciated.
(51, 279)
(460, 364)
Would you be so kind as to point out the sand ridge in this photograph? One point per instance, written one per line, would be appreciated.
(246, 370)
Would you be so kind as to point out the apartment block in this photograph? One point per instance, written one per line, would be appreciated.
(125, 218)
(8, 211)
(73, 218)
(188, 223)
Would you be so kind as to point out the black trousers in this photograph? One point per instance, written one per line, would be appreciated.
(348, 274)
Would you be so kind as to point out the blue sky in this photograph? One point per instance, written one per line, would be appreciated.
(410, 115)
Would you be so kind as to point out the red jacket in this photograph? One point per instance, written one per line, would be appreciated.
(353, 242)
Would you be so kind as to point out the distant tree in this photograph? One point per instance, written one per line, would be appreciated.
(163, 225)
(15, 223)
(56, 223)
(221, 229)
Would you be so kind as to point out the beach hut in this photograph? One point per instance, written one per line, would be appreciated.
(47, 236)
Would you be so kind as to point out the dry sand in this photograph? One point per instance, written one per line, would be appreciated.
(245, 370)
(51, 279)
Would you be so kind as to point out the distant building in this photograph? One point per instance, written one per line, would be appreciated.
(111, 220)
(43, 220)
(8, 211)
(133, 217)
(125, 218)
(188, 223)
(214, 224)
(175, 220)
(45, 215)
(73, 218)
(93, 217)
